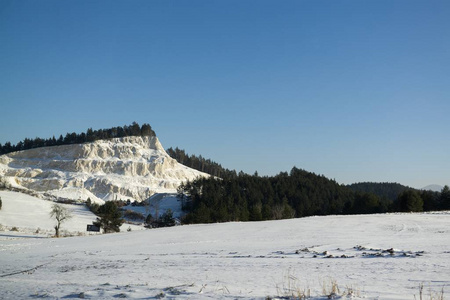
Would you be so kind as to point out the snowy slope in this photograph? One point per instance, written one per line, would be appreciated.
(158, 204)
(123, 168)
(30, 215)
(375, 256)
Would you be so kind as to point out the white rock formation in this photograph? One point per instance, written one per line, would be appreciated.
(122, 168)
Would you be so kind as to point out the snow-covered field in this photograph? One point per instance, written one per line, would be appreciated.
(30, 215)
(375, 256)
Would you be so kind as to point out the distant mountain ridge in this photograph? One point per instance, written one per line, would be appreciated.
(384, 190)
(133, 167)
(433, 187)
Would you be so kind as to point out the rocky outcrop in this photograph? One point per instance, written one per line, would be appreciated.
(123, 168)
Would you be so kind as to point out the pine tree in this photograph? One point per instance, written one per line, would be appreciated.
(445, 197)
(410, 201)
(90, 135)
(110, 218)
(146, 130)
(167, 219)
(135, 129)
(60, 140)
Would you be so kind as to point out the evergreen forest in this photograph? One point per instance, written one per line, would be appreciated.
(85, 137)
(295, 194)
(200, 163)
(384, 190)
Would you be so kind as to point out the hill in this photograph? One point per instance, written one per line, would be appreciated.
(133, 167)
(384, 190)
(30, 215)
(433, 188)
(298, 193)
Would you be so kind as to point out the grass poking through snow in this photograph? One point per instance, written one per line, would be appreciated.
(431, 295)
(292, 288)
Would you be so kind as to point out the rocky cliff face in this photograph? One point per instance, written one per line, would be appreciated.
(123, 168)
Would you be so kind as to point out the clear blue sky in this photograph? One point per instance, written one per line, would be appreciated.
(354, 90)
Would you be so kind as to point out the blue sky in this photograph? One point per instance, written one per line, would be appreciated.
(354, 90)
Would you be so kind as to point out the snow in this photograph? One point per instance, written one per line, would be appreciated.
(30, 215)
(159, 204)
(387, 256)
(117, 169)
(77, 194)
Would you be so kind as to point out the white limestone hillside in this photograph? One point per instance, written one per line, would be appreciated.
(122, 168)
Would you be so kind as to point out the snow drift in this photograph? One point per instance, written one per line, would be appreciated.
(122, 168)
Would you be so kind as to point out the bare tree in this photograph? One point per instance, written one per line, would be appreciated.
(147, 205)
(155, 201)
(61, 214)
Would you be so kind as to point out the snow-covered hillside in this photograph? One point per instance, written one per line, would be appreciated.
(123, 168)
(373, 256)
(30, 216)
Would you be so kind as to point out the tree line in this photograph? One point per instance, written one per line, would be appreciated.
(297, 194)
(405, 198)
(85, 137)
(384, 190)
(200, 163)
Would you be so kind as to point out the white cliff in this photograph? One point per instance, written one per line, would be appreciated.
(122, 168)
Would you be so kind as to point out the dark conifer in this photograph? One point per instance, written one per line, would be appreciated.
(110, 218)
(74, 138)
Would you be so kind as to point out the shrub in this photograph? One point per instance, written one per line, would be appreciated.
(149, 220)
(66, 201)
(133, 215)
(93, 207)
(167, 219)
